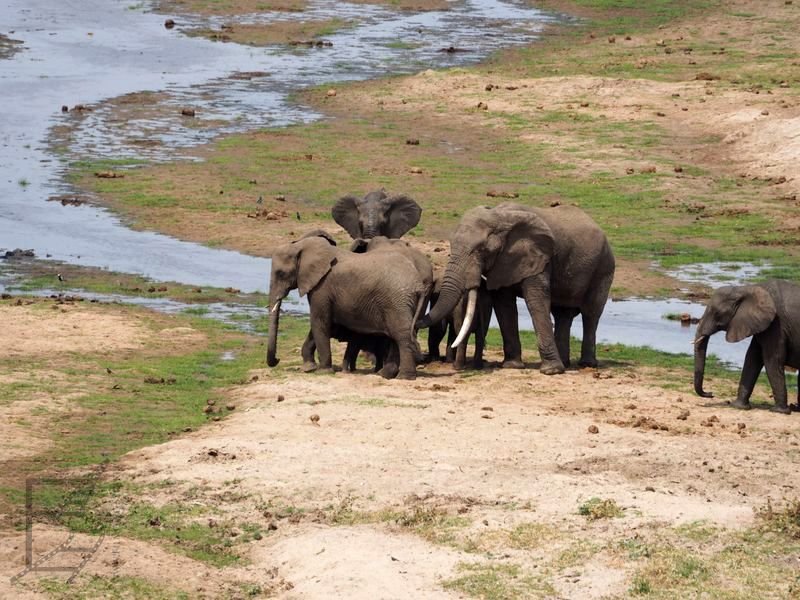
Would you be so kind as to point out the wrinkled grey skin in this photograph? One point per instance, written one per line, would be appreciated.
(376, 214)
(421, 264)
(557, 259)
(451, 325)
(365, 293)
(768, 311)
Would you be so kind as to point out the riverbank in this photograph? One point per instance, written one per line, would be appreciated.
(668, 139)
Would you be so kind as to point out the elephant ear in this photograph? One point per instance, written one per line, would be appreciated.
(755, 313)
(321, 233)
(315, 259)
(402, 215)
(345, 213)
(527, 248)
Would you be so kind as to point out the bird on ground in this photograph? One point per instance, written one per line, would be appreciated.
(260, 200)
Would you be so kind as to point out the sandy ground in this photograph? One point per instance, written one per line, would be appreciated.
(521, 454)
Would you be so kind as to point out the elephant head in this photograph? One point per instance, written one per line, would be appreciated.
(376, 214)
(302, 265)
(504, 245)
(740, 311)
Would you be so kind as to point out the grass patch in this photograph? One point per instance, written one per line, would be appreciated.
(97, 587)
(783, 519)
(596, 508)
(494, 581)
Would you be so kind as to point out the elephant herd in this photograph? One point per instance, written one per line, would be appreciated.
(374, 295)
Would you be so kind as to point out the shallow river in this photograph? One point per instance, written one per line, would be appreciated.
(86, 51)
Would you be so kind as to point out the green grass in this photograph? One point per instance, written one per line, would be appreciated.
(498, 581)
(114, 587)
(597, 508)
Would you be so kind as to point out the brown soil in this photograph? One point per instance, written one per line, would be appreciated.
(522, 455)
(8, 46)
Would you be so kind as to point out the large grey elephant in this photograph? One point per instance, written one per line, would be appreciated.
(768, 311)
(557, 259)
(364, 293)
(376, 214)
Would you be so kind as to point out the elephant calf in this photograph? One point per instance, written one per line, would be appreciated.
(770, 312)
(364, 293)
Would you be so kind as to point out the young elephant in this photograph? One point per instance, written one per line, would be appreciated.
(770, 312)
(364, 293)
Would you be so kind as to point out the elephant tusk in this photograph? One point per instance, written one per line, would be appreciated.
(698, 340)
(484, 277)
(277, 305)
(472, 299)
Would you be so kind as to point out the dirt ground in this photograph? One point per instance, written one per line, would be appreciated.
(520, 457)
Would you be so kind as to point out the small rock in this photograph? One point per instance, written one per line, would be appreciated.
(765, 112)
(683, 415)
(314, 419)
(213, 452)
(187, 112)
(64, 108)
(483, 106)
(648, 170)
(230, 406)
(741, 426)
(215, 418)
(584, 104)
(630, 170)
(489, 408)
(649, 488)
(678, 169)
(611, 39)
(280, 198)
(281, 398)
(330, 93)
(207, 409)
(630, 406)
(169, 23)
(415, 170)
(272, 526)
(489, 87)
(660, 114)
(593, 429)
(412, 142)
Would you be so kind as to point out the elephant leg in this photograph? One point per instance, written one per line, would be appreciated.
(753, 361)
(505, 307)
(590, 315)
(408, 366)
(452, 332)
(536, 291)
(350, 356)
(391, 364)
(563, 319)
(321, 328)
(774, 357)
(307, 352)
(436, 334)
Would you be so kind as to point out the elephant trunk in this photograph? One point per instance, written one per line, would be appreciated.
(453, 286)
(272, 340)
(370, 227)
(700, 349)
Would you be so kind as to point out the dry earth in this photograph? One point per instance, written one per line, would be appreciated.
(520, 456)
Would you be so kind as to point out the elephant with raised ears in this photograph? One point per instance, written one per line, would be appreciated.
(557, 259)
(364, 293)
(376, 214)
(770, 313)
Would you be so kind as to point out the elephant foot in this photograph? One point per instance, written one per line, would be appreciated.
(513, 363)
(458, 366)
(784, 410)
(553, 368)
(795, 407)
(478, 365)
(410, 375)
(590, 363)
(308, 367)
(742, 405)
(326, 370)
(389, 372)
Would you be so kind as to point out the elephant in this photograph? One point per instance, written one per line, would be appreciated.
(451, 325)
(557, 259)
(770, 313)
(376, 214)
(364, 293)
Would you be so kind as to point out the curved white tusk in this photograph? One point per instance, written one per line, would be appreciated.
(698, 340)
(277, 304)
(472, 300)
(484, 277)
